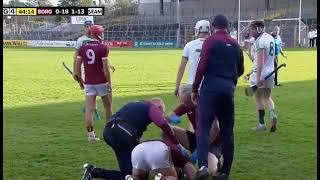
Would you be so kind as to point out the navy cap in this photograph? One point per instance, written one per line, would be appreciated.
(87, 22)
(220, 22)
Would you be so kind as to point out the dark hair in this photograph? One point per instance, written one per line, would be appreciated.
(256, 24)
(220, 22)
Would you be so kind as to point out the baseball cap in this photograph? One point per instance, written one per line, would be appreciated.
(220, 22)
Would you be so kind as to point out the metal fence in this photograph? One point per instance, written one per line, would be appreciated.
(175, 20)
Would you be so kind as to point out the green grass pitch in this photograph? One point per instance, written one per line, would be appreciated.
(45, 137)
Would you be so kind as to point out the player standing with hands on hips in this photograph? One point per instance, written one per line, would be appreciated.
(221, 63)
(263, 64)
(94, 56)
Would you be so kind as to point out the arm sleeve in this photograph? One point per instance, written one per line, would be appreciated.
(105, 52)
(186, 51)
(203, 63)
(156, 117)
(280, 44)
(261, 44)
(79, 57)
(78, 43)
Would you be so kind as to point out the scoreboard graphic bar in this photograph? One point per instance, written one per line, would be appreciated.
(53, 11)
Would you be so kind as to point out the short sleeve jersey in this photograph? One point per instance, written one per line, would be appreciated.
(82, 40)
(264, 41)
(192, 52)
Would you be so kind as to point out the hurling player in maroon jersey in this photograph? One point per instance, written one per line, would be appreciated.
(94, 57)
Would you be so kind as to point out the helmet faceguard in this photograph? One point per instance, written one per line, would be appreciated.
(202, 26)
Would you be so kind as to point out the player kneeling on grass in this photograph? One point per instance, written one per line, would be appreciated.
(263, 64)
(94, 56)
(124, 131)
(164, 157)
(152, 156)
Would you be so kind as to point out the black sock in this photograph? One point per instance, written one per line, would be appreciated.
(90, 129)
(261, 116)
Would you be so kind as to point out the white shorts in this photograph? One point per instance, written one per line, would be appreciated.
(97, 89)
(269, 83)
(151, 155)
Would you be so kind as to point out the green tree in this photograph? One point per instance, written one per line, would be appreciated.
(84, 3)
(68, 3)
(38, 3)
(16, 3)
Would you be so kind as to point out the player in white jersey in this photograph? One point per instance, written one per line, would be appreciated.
(263, 54)
(191, 55)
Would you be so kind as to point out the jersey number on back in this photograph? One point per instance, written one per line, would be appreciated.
(271, 50)
(91, 56)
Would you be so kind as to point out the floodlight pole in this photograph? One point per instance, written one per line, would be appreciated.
(299, 22)
(239, 2)
(178, 21)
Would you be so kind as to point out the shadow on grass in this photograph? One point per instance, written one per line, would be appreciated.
(50, 140)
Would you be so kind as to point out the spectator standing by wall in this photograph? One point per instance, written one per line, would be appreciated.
(310, 37)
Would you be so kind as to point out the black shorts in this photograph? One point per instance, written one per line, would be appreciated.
(192, 140)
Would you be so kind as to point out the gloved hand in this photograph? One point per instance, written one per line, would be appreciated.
(183, 151)
(194, 157)
(174, 119)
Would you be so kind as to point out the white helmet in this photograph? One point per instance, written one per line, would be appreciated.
(202, 26)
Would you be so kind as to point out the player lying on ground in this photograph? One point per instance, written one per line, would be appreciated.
(164, 159)
(94, 56)
(191, 53)
(263, 51)
(124, 131)
(188, 138)
(214, 157)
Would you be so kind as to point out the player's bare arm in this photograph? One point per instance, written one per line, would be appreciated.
(106, 70)
(181, 70)
(75, 57)
(282, 53)
(111, 67)
(260, 62)
(77, 70)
